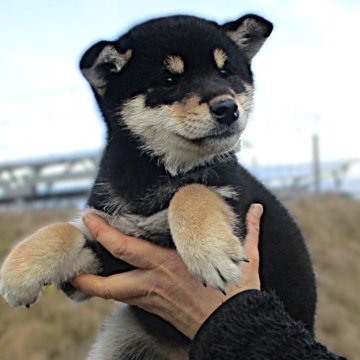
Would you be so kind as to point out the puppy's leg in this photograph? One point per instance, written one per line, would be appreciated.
(202, 226)
(54, 254)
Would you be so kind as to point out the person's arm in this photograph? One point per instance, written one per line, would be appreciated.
(245, 323)
(254, 325)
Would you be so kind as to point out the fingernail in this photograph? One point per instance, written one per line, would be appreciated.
(257, 210)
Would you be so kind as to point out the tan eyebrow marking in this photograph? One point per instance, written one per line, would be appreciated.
(174, 64)
(220, 58)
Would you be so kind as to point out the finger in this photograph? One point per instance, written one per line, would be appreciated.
(253, 217)
(134, 251)
(117, 287)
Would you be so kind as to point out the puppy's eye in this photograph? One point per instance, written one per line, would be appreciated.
(224, 72)
(170, 80)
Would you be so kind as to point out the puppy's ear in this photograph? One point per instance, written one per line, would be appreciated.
(100, 62)
(249, 33)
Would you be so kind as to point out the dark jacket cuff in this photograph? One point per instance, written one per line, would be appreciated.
(254, 325)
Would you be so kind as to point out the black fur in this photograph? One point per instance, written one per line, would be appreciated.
(138, 177)
(258, 332)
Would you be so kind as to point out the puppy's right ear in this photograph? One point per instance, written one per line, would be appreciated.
(100, 62)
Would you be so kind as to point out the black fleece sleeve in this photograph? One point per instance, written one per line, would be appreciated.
(254, 325)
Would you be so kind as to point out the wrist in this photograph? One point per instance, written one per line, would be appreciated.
(206, 313)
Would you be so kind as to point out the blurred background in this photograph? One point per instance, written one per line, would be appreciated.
(302, 142)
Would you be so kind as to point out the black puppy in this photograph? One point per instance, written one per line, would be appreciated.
(175, 94)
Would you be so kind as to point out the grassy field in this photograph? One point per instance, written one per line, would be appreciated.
(331, 228)
(56, 328)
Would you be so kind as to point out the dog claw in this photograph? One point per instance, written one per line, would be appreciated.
(204, 283)
(237, 261)
(27, 306)
(220, 275)
(223, 291)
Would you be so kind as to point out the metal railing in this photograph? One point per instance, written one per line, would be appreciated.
(66, 180)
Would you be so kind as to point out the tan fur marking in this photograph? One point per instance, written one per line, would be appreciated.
(202, 224)
(190, 110)
(60, 236)
(201, 209)
(220, 58)
(175, 64)
(53, 254)
(165, 130)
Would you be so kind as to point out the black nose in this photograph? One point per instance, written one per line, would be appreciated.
(225, 111)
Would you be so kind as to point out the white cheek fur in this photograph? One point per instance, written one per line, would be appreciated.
(164, 136)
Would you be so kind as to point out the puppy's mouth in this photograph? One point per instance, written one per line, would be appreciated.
(217, 137)
(214, 136)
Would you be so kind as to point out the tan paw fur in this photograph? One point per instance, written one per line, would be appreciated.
(202, 224)
(53, 254)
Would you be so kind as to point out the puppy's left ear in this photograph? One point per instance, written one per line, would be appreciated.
(101, 62)
(249, 33)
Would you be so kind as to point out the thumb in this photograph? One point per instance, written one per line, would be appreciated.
(253, 217)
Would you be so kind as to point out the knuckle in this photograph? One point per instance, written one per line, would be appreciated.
(253, 224)
(257, 228)
(99, 231)
(153, 290)
(106, 293)
(168, 261)
(121, 249)
(252, 219)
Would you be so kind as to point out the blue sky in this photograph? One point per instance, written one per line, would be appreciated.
(307, 74)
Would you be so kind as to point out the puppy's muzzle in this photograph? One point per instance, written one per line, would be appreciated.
(225, 111)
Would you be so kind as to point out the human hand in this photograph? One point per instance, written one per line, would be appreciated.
(161, 283)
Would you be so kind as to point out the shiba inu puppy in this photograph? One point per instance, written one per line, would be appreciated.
(176, 94)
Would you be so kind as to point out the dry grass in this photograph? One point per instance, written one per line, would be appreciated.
(52, 329)
(58, 329)
(55, 328)
(331, 228)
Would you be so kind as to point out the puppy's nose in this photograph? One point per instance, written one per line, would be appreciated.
(225, 111)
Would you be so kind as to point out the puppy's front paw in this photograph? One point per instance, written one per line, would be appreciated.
(202, 226)
(215, 262)
(54, 254)
(18, 290)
